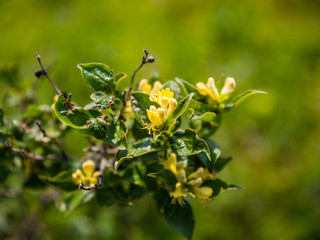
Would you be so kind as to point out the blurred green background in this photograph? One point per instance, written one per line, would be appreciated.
(267, 45)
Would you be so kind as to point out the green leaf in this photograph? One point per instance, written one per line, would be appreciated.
(1, 115)
(237, 100)
(206, 117)
(116, 134)
(140, 102)
(221, 163)
(120, 84)
(116, 107)
(98, 127)
(180, 218)
(102, 99)
(188, 87)
(71, 115)
(188, 143)
(174, 87)
(106, 196)
(62, 181)
(98, 76)
(183, 89)
(218, 186)
(215, 152)
(4, 173)
(181, 108)
(139, 148)
(33, 111)
(167, 177)
(74, 200)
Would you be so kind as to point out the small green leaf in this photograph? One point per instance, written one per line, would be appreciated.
(183, 89)
(62, 181)
(116, 134)
(74, 200)
(188, 143)
(102, 99)
(116, 107)
(71, 115)
(237, 100)
(98, 76)
(218, 186)
(98, 127)
(181, 108)
(188, 87)
(139, 148)
(221, 163)
(180, 218)
(206, 117)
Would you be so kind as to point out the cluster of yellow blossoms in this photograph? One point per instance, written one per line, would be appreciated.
(211, 90)
(193, 181)
(87, 176)
(164, 98)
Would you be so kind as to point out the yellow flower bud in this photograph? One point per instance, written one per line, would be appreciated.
(203, 193)
(212, 87)
(229, 86)
(157, 86)
(205, 91)
(180, 166)
(172, 106)
(207, 175)
(88, 167)
(161, 114)
(181, 176)
(164, 102)
(196, 182)
(198, 173)
(144, 86)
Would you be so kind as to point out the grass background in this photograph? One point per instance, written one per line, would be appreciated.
(267, 45)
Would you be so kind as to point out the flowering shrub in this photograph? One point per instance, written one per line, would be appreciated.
(155, 139)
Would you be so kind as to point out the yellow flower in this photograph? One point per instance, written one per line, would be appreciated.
(207, 174)
(177, 168)
(167, 105)
(87, 176)
(156, 116)
(211, 90)
(162, 97)
(198, 173)
(128, 112)
(203, 193)
(178, 194)
(145, 87)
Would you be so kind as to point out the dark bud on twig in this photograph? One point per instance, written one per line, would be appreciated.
(38, 73)
(150, 59)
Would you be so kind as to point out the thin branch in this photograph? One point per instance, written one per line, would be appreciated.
(43, 71)
(145, 60)
(27, 154)
(63, 153)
